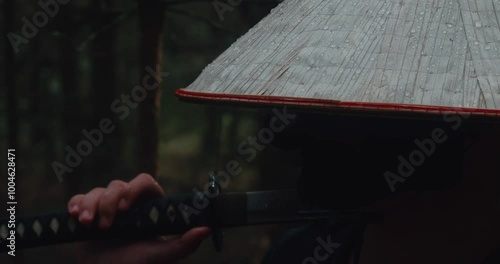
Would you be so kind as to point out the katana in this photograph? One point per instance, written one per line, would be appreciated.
(166, 216)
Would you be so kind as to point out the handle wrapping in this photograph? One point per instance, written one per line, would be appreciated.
(168, 215)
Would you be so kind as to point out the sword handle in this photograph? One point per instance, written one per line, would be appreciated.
(168, 215)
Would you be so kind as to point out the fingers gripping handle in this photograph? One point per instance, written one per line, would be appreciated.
(168, 215)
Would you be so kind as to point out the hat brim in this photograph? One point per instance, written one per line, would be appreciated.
(336, 106)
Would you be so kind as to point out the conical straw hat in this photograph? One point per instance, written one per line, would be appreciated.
(378, 55)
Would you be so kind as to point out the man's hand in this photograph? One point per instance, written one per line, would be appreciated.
(120, 196)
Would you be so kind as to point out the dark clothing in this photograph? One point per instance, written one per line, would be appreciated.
(331, 242)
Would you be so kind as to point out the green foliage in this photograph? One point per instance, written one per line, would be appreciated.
(87, 56)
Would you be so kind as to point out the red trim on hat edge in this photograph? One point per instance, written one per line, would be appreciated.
(324, 103)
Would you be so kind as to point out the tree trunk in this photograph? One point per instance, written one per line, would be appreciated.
(72, 115)
(10, 81)
(151, 13)
(102, 94)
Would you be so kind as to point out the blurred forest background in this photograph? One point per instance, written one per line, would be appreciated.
(66, 77)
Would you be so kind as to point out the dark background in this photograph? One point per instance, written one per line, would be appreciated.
(64, 80)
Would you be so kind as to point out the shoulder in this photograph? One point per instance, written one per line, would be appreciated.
(494, 258)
